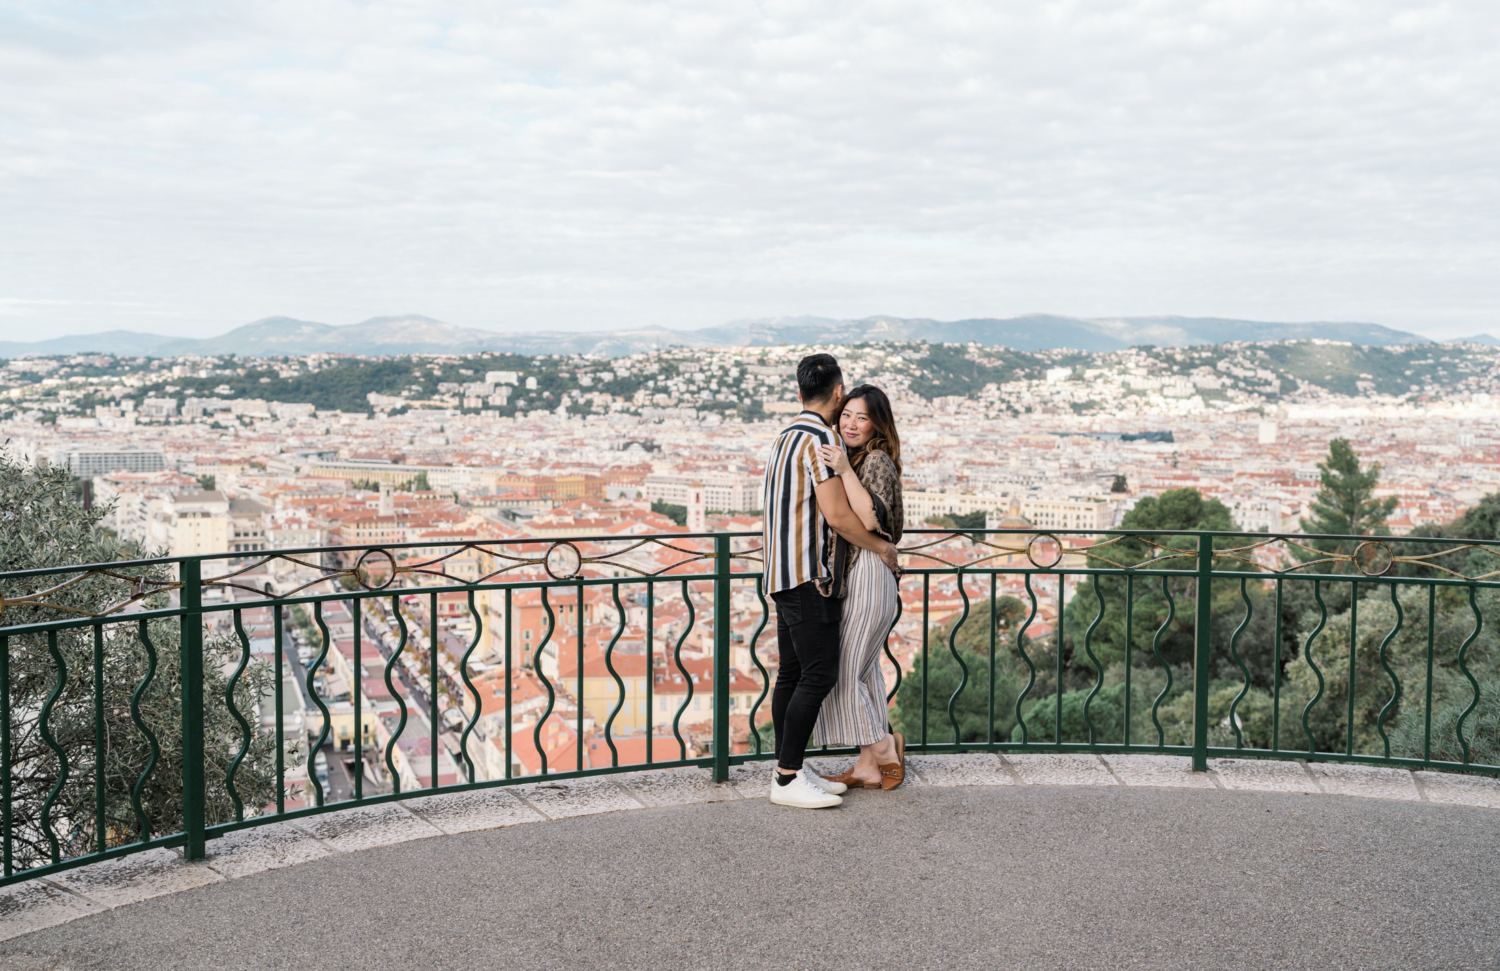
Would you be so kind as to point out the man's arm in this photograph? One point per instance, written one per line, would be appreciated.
(833, 503)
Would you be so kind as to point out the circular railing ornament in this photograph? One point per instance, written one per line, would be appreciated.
(1032, 547)
(362, 573)
(563, 561)
(1373, 558)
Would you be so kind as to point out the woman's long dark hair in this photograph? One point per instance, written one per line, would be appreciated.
(883, 424)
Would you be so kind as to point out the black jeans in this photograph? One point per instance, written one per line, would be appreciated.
(807, 634)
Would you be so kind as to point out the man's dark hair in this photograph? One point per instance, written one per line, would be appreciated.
(817, 375)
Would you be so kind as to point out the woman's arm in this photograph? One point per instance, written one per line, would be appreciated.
(833, 502)
(859, 499)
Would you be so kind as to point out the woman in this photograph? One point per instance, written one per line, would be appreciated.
(854, 713)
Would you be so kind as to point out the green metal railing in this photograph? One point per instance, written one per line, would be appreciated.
(1078, 642)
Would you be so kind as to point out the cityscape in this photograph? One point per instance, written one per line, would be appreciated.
(222, 455)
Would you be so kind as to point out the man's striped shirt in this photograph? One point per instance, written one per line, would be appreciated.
(799, 545)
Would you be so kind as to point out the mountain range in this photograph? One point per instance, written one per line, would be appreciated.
(415, 334)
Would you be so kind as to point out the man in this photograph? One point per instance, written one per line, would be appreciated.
(808, 523)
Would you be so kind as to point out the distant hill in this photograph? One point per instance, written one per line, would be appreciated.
(105, 342)
(415, 334)
(1484, 339)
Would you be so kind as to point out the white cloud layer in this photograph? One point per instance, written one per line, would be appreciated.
(186, 167)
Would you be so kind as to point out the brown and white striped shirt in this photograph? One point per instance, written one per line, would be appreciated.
(799, 545)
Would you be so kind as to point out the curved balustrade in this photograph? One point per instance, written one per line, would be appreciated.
(1008, 640)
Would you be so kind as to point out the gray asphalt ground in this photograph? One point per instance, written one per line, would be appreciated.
(1005, 877)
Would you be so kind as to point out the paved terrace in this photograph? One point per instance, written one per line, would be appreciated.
(1030, 861)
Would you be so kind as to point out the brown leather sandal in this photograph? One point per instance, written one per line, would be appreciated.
(849, 779)
(892, 774)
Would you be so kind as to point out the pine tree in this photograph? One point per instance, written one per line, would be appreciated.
(1345, 504)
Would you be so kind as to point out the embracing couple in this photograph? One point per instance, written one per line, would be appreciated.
(833, 513)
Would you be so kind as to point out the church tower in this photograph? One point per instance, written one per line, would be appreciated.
(697, 519)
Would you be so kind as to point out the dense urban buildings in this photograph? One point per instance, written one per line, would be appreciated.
(244, 457)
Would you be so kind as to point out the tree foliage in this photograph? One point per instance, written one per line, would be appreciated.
(42, 525)
(1160, 612)
(1406, 643)
(971, 708)
(674, 512)
(1345, 504)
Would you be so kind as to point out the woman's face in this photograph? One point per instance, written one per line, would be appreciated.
(854, 423)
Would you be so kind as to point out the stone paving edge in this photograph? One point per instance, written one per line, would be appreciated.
(44, 902)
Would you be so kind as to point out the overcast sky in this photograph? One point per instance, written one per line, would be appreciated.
(185, 168)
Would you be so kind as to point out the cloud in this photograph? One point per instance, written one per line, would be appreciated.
(183, 168)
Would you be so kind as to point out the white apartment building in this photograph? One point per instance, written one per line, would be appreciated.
(130, 496)
(920, 505)
(1254, 513)
(204, 523)
(723, 490)
(1044, 512)
(98, 461)
(1071, 513)
(192, 524)
(247, 519)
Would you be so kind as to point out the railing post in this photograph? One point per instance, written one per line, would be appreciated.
(190, 642)
(1201, 655)
(721, 658)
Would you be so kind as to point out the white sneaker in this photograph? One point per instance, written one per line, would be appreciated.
(803, 794)
(827, 785)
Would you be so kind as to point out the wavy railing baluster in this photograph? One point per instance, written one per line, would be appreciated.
(7, 854)
(1129, 646)
(309, 679)
(1307, 655)
(609, 665)
(47, 738)
(1062, 591)
(463, 674)
(1088, 650)
(101, 747)
(536, 664)
(765, 676)
(1276, 677)
(278, 638)
(989, 737)
(1395, 681)
(963, 669)
(357, 695)
(390, 667)
(144, 729)
(510, 680)
(687, 679)
(1431, 643)
(926, 659)
(229, 686)
(651, 666)
(1021, 648)
(435, 686)
(578, 682)
(897, 667)
(1353, 642)
(1166, 589)
(1463, 665)
(1234, 654)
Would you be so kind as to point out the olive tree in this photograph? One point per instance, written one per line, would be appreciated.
(55, 750)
